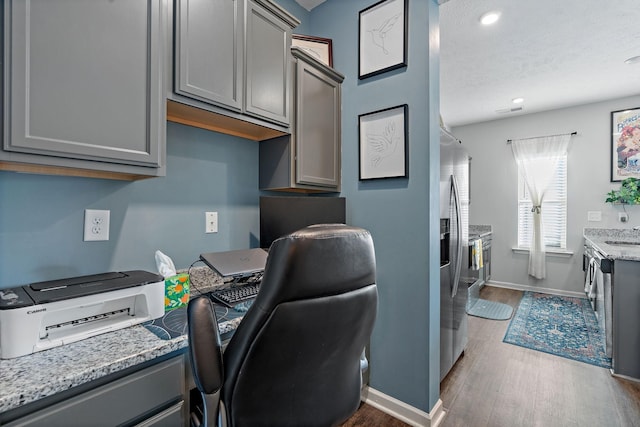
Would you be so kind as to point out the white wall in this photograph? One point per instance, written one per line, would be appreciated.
(494, 186)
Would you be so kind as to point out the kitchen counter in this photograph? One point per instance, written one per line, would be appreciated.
(479, 231)
(29, 378)
(598, 238)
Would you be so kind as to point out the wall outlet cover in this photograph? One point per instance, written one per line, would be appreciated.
(623, 216)
(594, 216)
(96, 225)
(211, 222)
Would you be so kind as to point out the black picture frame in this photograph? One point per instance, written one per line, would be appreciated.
(318, 47)
(383, 148)
(625, 144)
(383, 37)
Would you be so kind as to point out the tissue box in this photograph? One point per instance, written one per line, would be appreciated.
(176, 291)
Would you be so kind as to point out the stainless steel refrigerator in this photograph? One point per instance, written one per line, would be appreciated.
(454, 237)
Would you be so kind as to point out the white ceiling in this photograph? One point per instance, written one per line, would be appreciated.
(553, 53)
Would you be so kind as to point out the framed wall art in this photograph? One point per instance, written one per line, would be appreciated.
(317, 47)
(383, 140)
(625, 144)
(382, 43)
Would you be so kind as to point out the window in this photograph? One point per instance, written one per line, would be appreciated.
(554, 210)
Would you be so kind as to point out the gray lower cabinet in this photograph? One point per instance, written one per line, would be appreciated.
(625, 292)
(231, 59)
(84, 86)
(150, 397)
(309, 159)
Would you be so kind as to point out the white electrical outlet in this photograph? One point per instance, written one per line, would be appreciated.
(623, 216)
(96, 225)
(211, 222)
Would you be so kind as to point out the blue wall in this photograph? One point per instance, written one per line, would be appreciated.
(41, 217)
(403, 218)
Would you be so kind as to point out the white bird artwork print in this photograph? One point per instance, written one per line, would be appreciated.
(379, 34)
(384, 145)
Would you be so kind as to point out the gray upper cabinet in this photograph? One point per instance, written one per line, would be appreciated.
(309, 159)
(231, 59)
(267, 69)
(209, 51)
(84, 85)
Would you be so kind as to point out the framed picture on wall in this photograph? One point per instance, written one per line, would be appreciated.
(383, 137)
(382, 44)
(317, 47)
(625, 144)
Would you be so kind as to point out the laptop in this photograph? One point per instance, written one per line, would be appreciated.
(241, 263)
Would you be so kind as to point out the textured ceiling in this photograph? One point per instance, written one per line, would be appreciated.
(553, 53)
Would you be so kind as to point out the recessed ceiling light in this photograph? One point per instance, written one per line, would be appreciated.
(633, 60)
(517, 100)
(490, 18)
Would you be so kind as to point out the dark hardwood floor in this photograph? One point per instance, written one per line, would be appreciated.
(368, 416)
(497, 384)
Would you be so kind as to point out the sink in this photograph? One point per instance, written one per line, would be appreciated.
(622, 243)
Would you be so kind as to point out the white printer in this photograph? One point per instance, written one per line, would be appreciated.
(43, 315)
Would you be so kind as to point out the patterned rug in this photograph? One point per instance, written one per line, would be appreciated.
(563, 326)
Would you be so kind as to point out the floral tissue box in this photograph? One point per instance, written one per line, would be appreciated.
(176, 291)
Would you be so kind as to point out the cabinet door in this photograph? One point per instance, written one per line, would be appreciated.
(209, 51)
(85, 80)
(317, 127)
(143, 394)
(268, 40)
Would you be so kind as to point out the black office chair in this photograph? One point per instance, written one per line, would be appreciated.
(295, 358)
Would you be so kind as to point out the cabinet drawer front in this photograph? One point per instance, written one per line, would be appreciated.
(209, 53)
(115, 403)
(85, 79)
(171, 417)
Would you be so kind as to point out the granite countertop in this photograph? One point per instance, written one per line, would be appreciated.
(28, 378)
(479, 231)
(601, 238)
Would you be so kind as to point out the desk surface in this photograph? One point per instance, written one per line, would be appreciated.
(28, 378)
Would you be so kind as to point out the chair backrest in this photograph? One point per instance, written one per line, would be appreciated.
(295, 358)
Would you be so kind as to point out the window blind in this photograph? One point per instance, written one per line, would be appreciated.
(554, 210)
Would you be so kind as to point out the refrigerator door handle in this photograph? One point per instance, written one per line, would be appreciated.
(458, 268)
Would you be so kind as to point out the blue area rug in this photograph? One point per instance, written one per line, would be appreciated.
(563, 326)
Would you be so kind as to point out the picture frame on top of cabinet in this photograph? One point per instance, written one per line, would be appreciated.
(625, 144)
(382, 44)
(383, 139)
(317, 47)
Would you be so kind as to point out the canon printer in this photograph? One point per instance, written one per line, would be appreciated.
(48, 314)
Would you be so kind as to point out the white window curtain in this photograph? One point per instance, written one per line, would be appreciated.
(537, 159)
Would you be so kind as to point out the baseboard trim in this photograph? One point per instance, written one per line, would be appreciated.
(402, 411)
(519, 287)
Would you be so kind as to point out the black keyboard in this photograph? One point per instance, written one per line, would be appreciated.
(235, 294)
